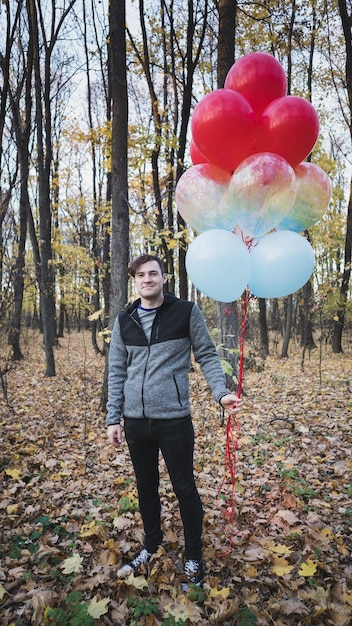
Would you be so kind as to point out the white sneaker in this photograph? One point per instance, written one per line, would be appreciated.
(193, 574)
(141, 559)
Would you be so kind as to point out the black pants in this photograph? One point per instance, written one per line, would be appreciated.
(175, 439)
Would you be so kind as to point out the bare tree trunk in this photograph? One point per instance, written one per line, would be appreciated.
(289, 300)
(227, 313)
(346, 19)
(305, 318)
(288, 326)
(44, 159)
(95, 251)
(119, 180)
(263, 326)
(18, 284)
(22, 125)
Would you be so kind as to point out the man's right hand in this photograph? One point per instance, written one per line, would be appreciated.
(114, 434)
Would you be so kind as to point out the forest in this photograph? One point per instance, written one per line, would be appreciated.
(96, 108)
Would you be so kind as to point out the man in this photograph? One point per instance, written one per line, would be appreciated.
(149, 361)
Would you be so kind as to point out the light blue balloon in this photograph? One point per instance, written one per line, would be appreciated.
(218, 264)
(281, 263)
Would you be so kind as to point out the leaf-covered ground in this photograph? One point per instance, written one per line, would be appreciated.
(69, 515)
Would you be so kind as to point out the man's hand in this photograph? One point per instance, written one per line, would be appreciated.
(114, 434)
(231, 403)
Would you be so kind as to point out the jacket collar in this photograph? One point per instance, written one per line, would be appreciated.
(169, 299)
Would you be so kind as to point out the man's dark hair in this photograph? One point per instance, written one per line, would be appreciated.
(144, 258)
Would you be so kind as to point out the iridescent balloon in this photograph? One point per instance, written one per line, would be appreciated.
(261, 193)
(201, 198)
(313, 194)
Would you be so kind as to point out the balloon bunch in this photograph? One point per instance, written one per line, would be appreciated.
(249, 178)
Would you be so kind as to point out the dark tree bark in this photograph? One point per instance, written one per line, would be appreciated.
(5, 194)
(227, 313)
(174, 115)
(306, 319)
(346, 19)
(119, 182)
(95, 246)
(42, 90)
(44, 160)
(288, 326)
(263, 327)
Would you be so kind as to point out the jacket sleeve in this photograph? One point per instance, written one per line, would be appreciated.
(205, 354)
(116, 376)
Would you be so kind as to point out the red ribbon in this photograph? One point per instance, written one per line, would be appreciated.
(227, 488)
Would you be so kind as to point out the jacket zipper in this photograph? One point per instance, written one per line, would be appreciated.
(156, 334)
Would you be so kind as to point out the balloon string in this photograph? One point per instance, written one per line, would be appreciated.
(228, 484)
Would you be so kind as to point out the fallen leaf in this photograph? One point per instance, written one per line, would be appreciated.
(308, 568)
(12, 509)
(139, 582)
(183, 611)
(41, 600)
(281, 567)
(14, 473)
(92, 530)
(278, 548)
(97, 608)
(72, 565)
(294, 606)
(222, 593)
(226, 610)
(285, 516)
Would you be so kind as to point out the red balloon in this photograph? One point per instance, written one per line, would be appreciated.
(289, 126)
(223, 128)
(259, 77)
(196, 156)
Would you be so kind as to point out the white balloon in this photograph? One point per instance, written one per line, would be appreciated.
(281, 263)
(218, 264)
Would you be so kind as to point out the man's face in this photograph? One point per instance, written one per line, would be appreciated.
(149, 281)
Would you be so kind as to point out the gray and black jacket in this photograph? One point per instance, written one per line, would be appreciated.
(150, 379)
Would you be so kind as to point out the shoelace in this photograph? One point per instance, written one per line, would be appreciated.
(142, 557)
(191, 567)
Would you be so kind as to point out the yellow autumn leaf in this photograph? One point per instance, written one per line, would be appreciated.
(251, 571)
(97, 608)
(12, 509)
(183, 611)
(95, 316)
(347, 597)
(327, 533)
(281, 566)
(91, 530)
(2, 592)
(59, 476)
(139, 582)
(73, 564)
(216, 593)
(30, 449)
(279, 548)
(14, 473)
(308, 568)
